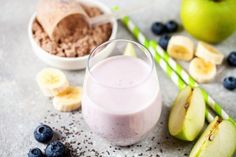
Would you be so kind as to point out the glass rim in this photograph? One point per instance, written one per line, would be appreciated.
(148, 54)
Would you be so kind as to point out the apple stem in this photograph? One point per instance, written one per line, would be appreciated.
(219, 120)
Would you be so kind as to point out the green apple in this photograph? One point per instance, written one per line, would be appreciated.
(218, 140)
(130, 50)
(209, 20)
(187, 115)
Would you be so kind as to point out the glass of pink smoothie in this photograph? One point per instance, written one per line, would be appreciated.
(121, 98)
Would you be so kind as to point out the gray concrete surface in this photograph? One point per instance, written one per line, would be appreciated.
(23, 107)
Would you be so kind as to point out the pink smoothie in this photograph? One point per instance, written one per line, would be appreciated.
(121, 99)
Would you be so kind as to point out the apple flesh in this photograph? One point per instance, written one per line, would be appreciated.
(130, 50)
(209, 20)
(187, 115)
(218, 140)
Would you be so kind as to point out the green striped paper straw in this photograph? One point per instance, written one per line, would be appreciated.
(190, 81)
(175, 77)
(209, 114)
(166, 67)
(175, 66)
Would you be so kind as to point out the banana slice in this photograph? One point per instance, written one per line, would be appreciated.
(130, 50)
(51, 81)
(201, 70)
(181, 47)
(68, 100)
(209, 53)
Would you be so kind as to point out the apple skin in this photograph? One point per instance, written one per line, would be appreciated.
(209, 20)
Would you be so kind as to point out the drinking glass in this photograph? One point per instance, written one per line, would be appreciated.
(121, 96)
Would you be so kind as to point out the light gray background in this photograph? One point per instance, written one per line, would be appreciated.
(23, 107)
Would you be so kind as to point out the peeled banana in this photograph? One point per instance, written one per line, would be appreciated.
(201, 70)
(181, 48)
(209, 53)
(51, 81)
(68, 100)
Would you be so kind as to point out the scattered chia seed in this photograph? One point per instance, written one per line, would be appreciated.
(141, 154)
(82, 142)
(149, 149)
(153, 138)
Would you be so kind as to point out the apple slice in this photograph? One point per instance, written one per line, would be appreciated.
(130, 50)
(218, 140)
(187, 115)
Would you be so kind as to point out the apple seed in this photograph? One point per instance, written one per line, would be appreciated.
(186, 106)
(211, 137)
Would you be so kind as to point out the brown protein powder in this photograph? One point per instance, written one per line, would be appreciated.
(79, 43)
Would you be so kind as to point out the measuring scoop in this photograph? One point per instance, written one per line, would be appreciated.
(60, 18)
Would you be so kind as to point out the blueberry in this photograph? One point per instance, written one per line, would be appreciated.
(171, 26)
(158, 28)
(35, 152)
(163, 41)
(232, 59)
(230, 83)
(55, 149)
(43, 133)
